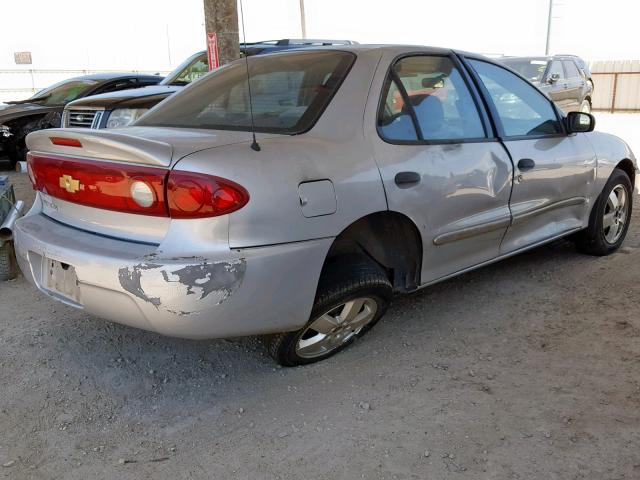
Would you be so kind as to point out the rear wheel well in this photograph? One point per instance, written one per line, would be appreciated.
(627, 167)
(390, 239)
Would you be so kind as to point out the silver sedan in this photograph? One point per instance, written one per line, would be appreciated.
(296, 208)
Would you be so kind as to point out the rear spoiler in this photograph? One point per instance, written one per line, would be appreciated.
(101, 145)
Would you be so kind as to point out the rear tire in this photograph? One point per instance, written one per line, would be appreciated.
(353, 293)
(8, 267)
(610, 216)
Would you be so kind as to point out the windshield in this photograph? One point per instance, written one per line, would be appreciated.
(289, 92)
(63, 92)
(189, 71)
(532, 70)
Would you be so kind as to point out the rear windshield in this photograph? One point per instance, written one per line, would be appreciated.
(289, 93)
(532, 70)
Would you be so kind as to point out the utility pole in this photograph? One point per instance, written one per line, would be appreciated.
(547, 50)
(221, 18)
(303, 20)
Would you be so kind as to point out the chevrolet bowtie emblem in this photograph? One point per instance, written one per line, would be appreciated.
(69, 183)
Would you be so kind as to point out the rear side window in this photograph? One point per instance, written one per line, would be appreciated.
(426, 98)
(571, 69)
(522, 109)
(289, 92)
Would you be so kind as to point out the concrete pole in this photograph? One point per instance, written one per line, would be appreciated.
(221, 17)
(549, 24)
(303, 20)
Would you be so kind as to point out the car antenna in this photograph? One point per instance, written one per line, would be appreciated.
(254, 144)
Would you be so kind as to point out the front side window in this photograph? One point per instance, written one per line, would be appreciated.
(522, 109)
(289, 92)
(426, 98)
(556, 69)
(124, 84)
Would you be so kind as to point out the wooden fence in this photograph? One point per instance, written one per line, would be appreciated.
(616, 86)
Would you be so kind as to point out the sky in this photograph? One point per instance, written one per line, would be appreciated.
(157, 35)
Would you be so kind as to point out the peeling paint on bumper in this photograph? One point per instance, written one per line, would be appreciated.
(227, 293)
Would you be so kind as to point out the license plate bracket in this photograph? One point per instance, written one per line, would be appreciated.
(61, 280)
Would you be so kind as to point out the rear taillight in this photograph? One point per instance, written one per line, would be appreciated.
(195, 195)
(104, 185)
(134, 189)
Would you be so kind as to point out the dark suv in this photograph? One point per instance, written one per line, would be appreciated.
(564, 78)
(122, 108)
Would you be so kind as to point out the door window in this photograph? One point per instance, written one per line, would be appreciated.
(571, 69)
(123, 84)
(426, 98)
(522, 109)
(194, 71)
(556, 69)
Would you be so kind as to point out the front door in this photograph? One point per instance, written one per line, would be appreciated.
(440, 164)
(554, 171)
(555, 84)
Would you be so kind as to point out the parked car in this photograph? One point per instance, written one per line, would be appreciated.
(566, 79)
(118, 109)
(187, 225)
(44, 109)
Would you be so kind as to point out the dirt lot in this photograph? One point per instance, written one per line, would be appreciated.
(528, 369)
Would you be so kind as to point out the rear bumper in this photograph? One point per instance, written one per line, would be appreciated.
(228, 293)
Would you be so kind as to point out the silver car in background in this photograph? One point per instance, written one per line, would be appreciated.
(375, 170)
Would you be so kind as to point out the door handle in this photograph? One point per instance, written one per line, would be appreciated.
(526, 164)
(407, 179)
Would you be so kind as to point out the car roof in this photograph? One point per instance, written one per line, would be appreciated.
(541, 57)
(105, 76)
(360, 48)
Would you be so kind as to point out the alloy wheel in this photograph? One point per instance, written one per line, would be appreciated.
(336, 327)
(615, 214)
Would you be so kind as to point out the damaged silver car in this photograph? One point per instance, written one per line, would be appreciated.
(374, 170)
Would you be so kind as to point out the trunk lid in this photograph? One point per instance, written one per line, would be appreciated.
(155, 147)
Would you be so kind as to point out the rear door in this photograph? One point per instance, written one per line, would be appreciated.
(440, 163)
(575, 85)
(553, 171)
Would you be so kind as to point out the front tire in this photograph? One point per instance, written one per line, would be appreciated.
(353, 293)
(609, 220)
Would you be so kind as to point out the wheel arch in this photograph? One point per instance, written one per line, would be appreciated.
(389, 238)
(628, 167)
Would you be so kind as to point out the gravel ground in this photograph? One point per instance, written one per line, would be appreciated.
(527, 369)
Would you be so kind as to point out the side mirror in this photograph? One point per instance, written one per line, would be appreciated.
(553, 78)
(580, 122)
